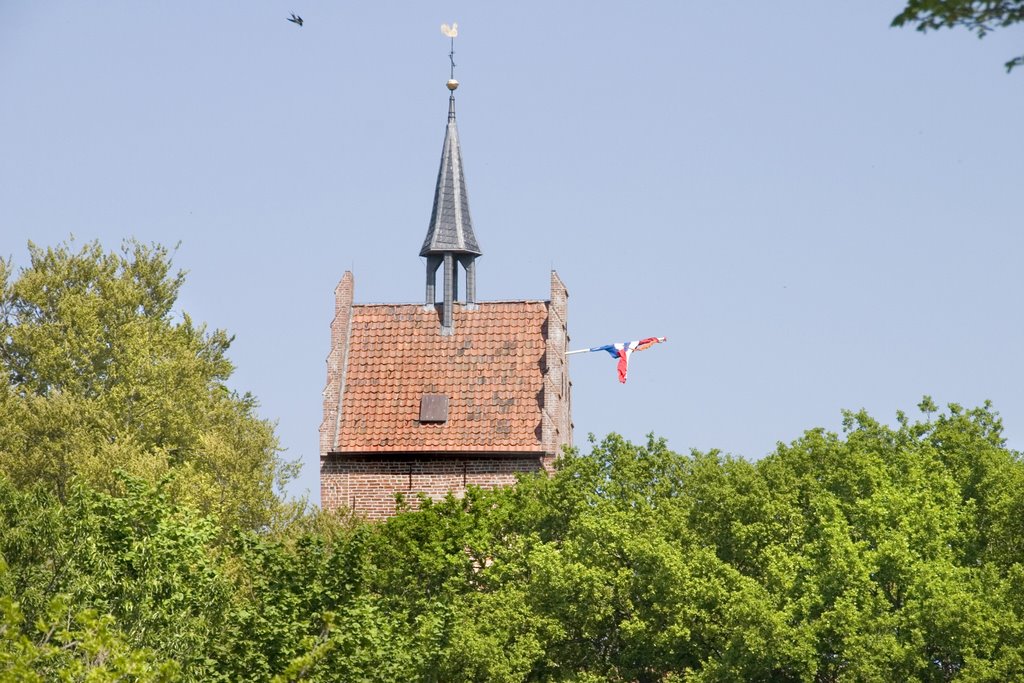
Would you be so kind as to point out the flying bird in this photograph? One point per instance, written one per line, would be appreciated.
(296, 19)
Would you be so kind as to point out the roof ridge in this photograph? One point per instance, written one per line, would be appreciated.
(478, 304)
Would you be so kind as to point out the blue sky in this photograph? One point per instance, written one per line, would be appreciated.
(820, 212)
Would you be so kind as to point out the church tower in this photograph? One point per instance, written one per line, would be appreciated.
(433, 398)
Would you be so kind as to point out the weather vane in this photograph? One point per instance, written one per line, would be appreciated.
(451, 31)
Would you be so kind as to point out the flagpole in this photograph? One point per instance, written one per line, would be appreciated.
(569, 353)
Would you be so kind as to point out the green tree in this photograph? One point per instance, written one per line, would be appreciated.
(102, 374)
(978, 16)
(878, 553)
(136, 560)
(70, 646)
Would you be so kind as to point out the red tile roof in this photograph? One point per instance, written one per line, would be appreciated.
(491, 369)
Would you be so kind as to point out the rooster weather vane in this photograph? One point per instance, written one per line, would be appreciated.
(452, 32)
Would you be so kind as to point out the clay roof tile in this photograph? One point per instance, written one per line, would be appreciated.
(490, 368)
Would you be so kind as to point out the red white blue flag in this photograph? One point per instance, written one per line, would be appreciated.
(623, 351)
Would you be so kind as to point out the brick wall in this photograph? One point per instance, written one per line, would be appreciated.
(556, 416)
(367, 483)
(341, 327)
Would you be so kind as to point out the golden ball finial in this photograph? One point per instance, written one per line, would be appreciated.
(453, 84)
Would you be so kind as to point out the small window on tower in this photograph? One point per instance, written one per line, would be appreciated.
(434, 408)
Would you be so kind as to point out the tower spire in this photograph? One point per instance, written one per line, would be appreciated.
(450, 239)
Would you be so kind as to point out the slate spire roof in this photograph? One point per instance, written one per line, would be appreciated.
(451, 228)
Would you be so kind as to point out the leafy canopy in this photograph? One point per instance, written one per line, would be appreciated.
(880, 553)
(136, 491)
(103, 375)
(978, 16)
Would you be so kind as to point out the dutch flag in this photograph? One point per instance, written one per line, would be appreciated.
(624, 350)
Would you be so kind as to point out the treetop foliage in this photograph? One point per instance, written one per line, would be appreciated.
(978, 16)
(101, 375)
(880, 553)
(141, 540)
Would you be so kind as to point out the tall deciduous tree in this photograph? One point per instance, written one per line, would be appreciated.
(103, 374)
